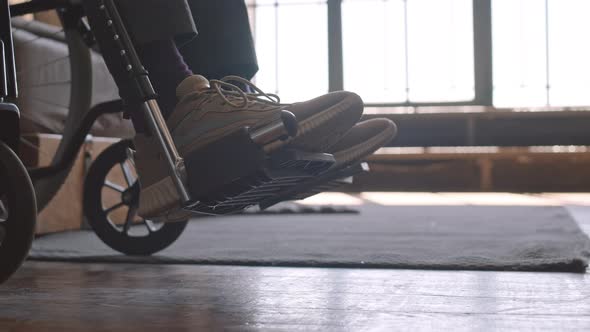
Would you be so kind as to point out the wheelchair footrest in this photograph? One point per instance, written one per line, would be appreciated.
(234, 173)
(325, 182)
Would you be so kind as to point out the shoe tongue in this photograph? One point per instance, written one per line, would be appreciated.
(193, 83)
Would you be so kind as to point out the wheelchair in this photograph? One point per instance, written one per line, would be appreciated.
(207, 181)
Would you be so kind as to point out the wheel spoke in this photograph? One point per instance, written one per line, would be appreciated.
(149, 225)
(129, 219)
(114, 186)
(113, 208)
(3, 212)
(127, 173)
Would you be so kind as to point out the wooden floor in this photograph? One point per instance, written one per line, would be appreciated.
(117, 297)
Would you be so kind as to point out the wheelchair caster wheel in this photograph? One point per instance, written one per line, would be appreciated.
(111, 201)
(18, 212)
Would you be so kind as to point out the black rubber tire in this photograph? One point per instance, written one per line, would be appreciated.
(19, 199)
(98, 219)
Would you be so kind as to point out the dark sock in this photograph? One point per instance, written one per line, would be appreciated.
(167, 69)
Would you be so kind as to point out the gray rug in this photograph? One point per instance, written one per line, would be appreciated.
(451, 238)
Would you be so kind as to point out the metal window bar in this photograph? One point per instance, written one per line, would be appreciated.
(335, 48)
(406, 51)
(276, 9)
(547, 78)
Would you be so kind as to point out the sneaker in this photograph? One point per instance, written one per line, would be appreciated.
(209, 110)
(322, 121)
(361, 141)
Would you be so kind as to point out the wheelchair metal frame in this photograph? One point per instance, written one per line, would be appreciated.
(49, 179)
(71, 13)
(109, 29)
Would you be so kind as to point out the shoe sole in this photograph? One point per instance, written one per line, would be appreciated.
(320, 131)
(362, 140)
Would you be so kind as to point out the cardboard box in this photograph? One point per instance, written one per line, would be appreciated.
(64, 212)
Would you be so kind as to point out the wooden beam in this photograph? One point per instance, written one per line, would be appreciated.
(500, 128)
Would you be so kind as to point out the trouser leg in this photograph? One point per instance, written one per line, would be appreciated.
(152, 20)
(155, 47)
(224, 45)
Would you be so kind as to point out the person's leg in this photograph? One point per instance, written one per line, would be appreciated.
(152, 20)
(167, 69)
(206, 111)
(226, 37)
(154, 26)
(223, 20)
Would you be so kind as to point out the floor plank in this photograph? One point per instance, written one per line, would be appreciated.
(93, 297)
(122, 297)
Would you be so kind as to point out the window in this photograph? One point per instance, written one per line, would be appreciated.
(426, 52)
(292, 47)
(541, 57)
(408, 51)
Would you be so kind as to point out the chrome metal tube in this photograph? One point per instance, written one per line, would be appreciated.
(154, 109)
(159, 129)
(269, 133)
(281, 129)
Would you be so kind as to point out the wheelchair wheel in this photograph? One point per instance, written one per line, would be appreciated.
(18, 212)
(111, 200)
(54, 71)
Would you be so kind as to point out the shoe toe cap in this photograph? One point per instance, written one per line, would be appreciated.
(350, 103)
(379, 130)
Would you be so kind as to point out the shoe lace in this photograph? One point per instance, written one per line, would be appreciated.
(236, 97)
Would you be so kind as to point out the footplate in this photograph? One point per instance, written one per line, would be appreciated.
(234, 173)
(325, 182)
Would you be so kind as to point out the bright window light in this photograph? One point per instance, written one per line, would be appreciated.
(292, 48)
(540, 56)
(437, 64)
(422, 51)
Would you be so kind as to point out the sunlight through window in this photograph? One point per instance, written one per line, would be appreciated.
(422, 51)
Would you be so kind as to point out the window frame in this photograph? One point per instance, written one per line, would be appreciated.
(482, 44)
